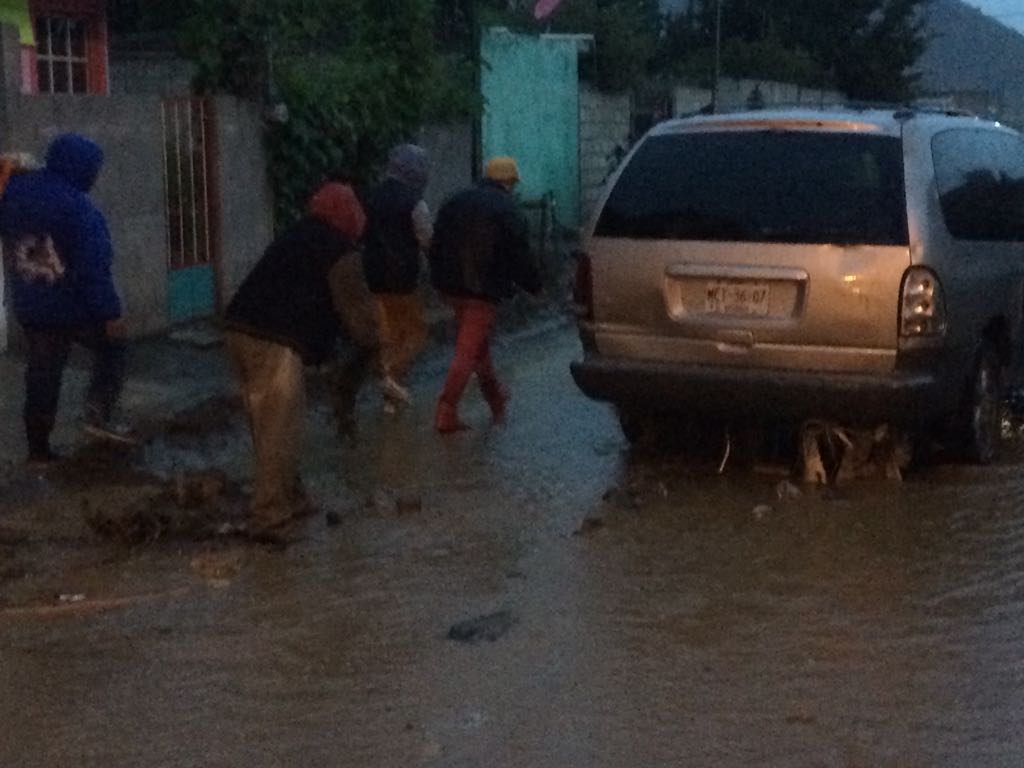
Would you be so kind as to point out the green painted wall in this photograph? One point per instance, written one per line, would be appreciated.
(530, 87)
(190, 293)
(16, 12)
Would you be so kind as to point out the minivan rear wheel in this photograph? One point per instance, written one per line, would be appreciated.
(983, 408)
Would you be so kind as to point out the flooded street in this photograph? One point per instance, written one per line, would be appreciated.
(640, 609)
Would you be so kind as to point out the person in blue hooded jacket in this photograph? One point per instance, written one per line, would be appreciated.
(63, 291)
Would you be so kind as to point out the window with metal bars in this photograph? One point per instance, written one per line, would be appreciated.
(62, 54)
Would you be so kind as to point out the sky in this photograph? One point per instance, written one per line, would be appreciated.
(1009, 12)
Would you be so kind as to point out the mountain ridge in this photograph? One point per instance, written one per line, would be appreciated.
(972, 53)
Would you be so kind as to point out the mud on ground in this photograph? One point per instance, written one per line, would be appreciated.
(104, 502)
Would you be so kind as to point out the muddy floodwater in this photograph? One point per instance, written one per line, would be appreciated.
(534, 596)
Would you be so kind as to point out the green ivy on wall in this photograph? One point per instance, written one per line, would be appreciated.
(356, 77)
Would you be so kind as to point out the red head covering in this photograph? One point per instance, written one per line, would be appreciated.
(337, 205)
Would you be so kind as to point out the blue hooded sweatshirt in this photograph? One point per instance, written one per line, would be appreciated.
(54, 202)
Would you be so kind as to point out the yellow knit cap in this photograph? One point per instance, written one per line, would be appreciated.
(502, 170)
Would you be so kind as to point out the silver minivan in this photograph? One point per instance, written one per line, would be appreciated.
(857, 266)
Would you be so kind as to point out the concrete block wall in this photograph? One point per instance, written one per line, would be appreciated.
(735, 94)
(150, 75)
(450, 150)
(130, 190)
(689, 99)
(246, 222)
(604, 131)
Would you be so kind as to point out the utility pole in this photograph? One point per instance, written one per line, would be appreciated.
(476, 39)
(718, 55)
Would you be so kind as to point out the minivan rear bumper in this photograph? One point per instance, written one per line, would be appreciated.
(909, 398)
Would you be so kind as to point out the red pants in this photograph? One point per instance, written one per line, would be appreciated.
(475, 320)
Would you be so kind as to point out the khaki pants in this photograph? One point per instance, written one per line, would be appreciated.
(274, 392)
(403, 332)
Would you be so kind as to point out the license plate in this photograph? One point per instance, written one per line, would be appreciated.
(736, 298)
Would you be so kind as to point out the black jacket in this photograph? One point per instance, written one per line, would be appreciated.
(391, 253)
(287, 296)
(481, 247)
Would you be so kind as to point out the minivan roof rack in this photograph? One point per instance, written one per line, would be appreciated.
(900, 111)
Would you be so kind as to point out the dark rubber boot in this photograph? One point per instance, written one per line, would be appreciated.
(37, 434)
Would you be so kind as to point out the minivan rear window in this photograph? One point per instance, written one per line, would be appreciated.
(762, 186)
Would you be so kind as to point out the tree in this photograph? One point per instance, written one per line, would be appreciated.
(151, 24)
(876, 63)
(866, 48)
(625, 36)
(625, 31)
(356, 76)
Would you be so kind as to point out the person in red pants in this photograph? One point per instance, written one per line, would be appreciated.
(479, 255)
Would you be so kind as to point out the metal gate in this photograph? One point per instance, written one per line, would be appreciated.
(530, 87)
(189, 186)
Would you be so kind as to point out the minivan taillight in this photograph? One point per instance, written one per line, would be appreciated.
(922, 304)
(583, 286)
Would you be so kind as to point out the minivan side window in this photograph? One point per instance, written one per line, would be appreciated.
(980, 177)
(774, 186)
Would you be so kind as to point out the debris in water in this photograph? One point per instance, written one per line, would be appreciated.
(218, 567)
(761, 511)
(217, 414)
(409, 503)
(85, 606)
(727, 453)
(333, 518)
(472, 721)
(76, 597)
(385, 501)
(489, 628)
(820, 452)
(786, 491)
(232, 529)
(196, 489)
(831, 453)
(194, 506)
(381, 501)
(801, 718)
